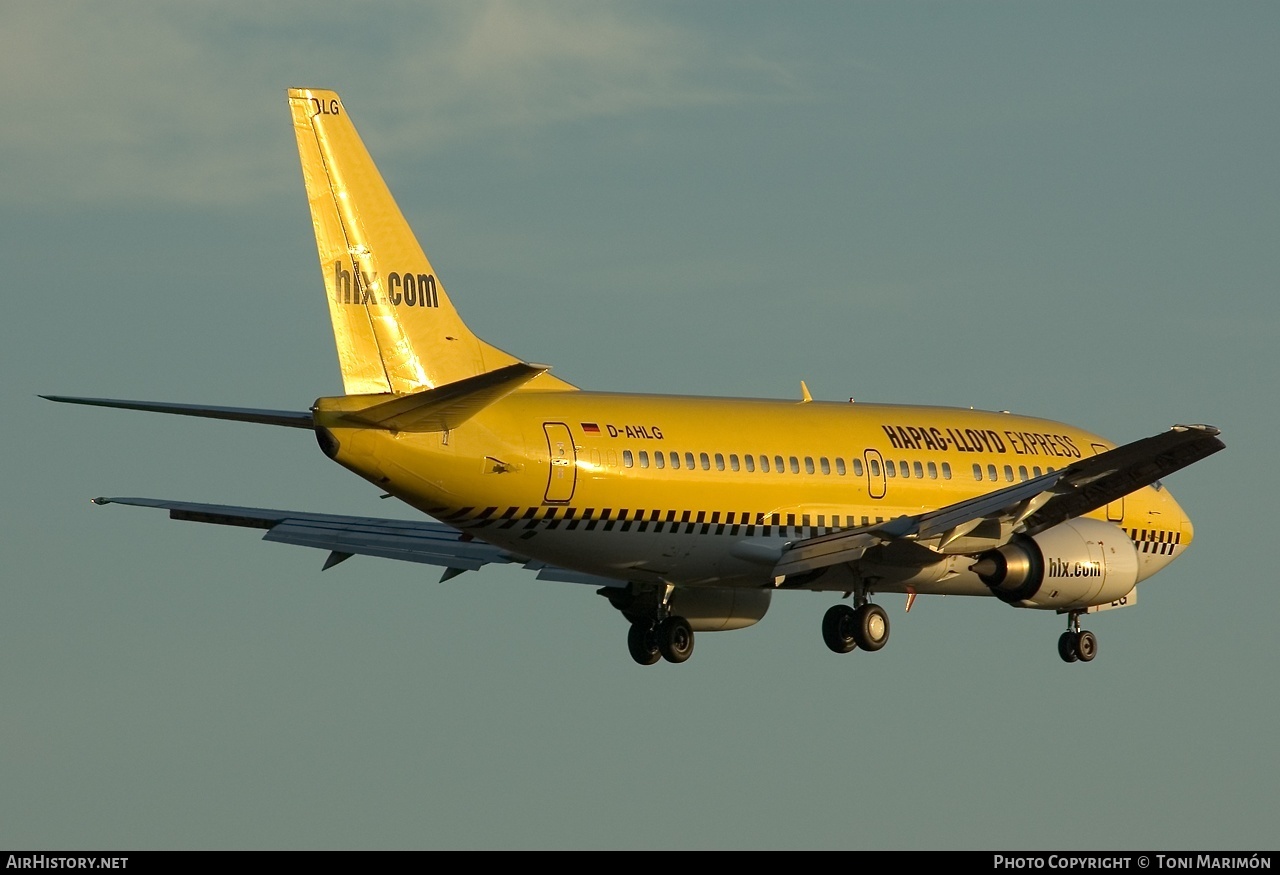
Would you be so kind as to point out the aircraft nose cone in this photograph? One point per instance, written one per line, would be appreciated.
(1188, 530)
(1178, 516)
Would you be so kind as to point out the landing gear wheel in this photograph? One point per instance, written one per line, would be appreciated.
(675, 639)
(1067, 647)
(643, 644)
(837, 629)
(870, 627)
(1086, 646)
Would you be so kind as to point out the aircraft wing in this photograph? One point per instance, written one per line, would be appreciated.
(1031, 506)
(346, 536)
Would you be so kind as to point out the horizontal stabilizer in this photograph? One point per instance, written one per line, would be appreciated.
(445, 407)
(287, 418)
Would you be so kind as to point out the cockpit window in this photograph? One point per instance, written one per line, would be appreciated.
(1157, 485)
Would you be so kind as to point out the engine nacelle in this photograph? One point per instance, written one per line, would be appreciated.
(1076, 564)
(712, 609)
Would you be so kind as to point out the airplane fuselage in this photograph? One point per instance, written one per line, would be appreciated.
(638, 487)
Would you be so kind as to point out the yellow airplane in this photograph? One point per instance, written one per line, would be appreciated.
(686, 513)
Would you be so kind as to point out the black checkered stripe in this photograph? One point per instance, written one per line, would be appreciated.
(734, 523)
(1155, 541)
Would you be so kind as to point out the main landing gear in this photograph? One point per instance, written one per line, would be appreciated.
(670, 639)
(656, 632)
(1075, 644)
(845, 628)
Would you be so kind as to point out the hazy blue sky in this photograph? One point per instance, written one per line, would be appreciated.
(1063, 209)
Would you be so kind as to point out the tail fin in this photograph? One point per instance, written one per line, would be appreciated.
(395, 327)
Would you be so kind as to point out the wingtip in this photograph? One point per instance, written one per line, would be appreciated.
(1199, 426)
(100, 500)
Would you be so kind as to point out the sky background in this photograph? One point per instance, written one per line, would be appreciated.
(1065, 210)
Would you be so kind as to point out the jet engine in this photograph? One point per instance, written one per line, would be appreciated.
(1075, 564)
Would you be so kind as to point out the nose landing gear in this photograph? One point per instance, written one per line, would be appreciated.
(1076, 644)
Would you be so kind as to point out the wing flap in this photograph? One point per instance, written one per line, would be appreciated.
(366, 541)
(825, 551)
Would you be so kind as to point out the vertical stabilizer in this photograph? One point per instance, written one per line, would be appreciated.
(395, 327)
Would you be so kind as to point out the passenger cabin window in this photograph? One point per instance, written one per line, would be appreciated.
(750, 462)
(808, 464)
(933, 471)
(627, 458)
(991, 473)
(839, 466)
(889, 469)
(675, 460)
(658, 459)
(795, 465)
(706, 463)
(946, 470)
(719, 462)
(778, 465)
(875, 467)
(977, 471)
(764, 464)
(688, 461)
(1035, 472)
(857, 469)
(915, 466)
(644, 458)
(733, 461)
(1008, 473)
(1022, 472)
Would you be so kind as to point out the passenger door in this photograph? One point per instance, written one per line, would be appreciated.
(562, 475)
